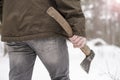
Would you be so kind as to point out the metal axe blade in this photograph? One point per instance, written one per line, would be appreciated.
(65, 25)
(87, 61)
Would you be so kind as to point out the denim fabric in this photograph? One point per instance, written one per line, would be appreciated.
(51, 51)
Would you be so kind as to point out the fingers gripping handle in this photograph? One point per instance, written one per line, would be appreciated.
(65, 25)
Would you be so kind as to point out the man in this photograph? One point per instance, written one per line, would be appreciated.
(29, 31)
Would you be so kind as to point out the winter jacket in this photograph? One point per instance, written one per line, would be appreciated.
(27, 19)
(0, 13)
(1, 9)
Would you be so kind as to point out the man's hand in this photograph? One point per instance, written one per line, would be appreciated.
(78, 41)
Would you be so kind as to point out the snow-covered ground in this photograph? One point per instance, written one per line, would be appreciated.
(105, 65)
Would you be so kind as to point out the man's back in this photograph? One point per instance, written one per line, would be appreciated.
(26, 19)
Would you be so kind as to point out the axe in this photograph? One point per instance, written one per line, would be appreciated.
(85, 64)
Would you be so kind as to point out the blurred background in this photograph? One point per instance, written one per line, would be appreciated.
(103, 20)
(103, 34)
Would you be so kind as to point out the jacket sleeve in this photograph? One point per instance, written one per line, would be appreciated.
(72, 12)
(0, 14)
(1, 3)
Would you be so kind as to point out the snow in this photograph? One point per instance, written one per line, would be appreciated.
(105, 65)
(106, 62)
(1, 48)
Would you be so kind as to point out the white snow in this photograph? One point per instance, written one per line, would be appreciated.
(105, 65)
(1, 48)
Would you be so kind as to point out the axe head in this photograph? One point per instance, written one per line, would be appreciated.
(85, 64)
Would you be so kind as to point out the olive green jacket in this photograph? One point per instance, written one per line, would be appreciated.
(27, 19)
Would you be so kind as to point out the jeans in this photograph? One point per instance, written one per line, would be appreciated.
(52, 52)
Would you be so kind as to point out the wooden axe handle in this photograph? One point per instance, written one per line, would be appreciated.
(65, 25)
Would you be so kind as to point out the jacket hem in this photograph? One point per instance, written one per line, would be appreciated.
(28, 37)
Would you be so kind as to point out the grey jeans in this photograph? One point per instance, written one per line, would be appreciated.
(52, 52)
